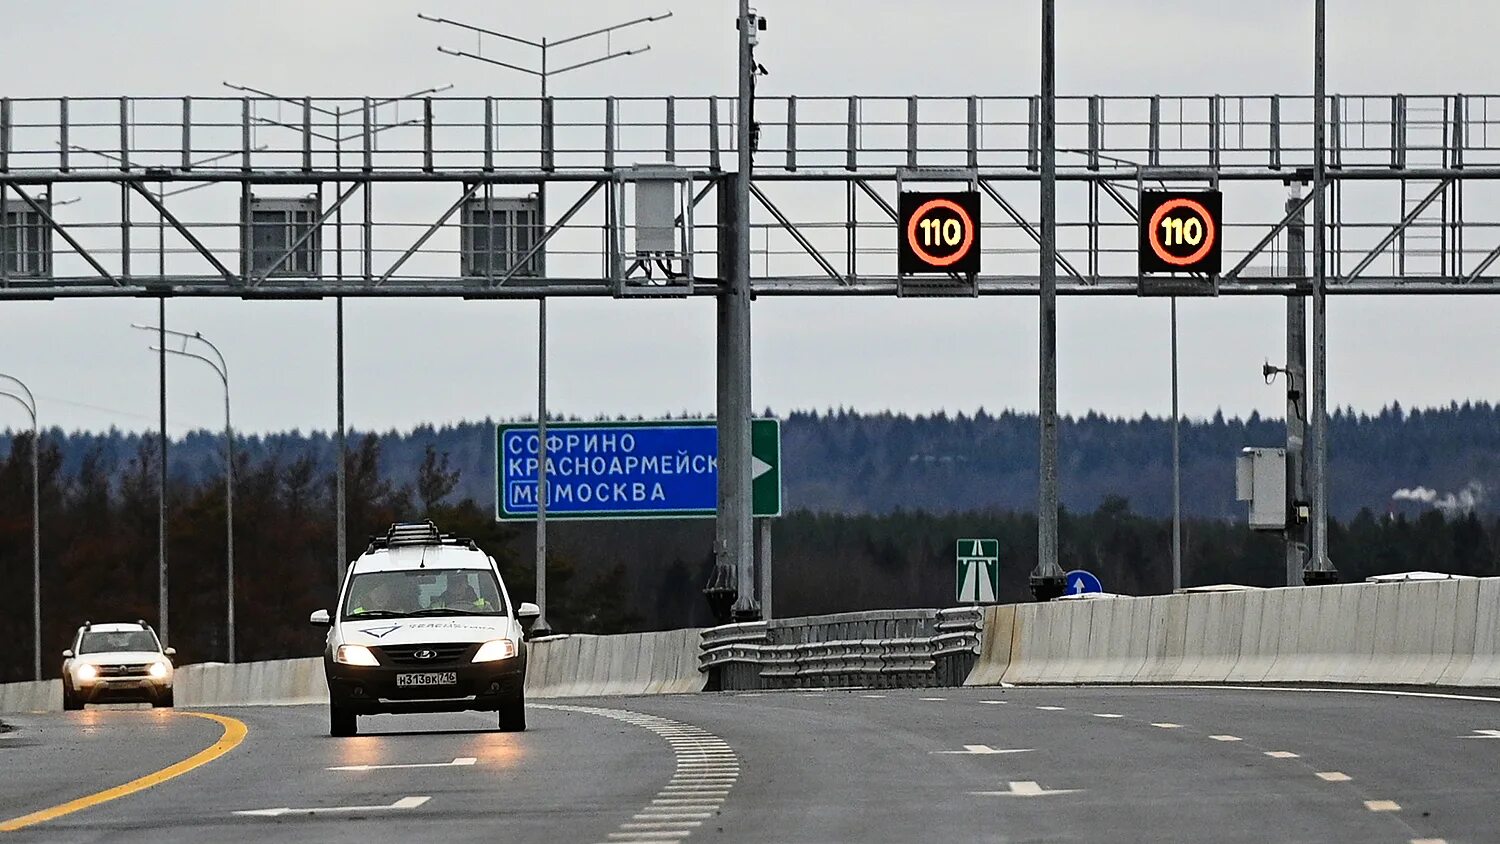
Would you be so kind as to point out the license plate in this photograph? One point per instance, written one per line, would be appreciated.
(430, 678)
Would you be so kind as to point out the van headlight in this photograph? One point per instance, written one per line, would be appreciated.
(160, 670)
(87, 673)
(496, 650)
(355, 655)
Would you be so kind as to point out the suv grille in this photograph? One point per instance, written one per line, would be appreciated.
(123, 670)
(444, 654)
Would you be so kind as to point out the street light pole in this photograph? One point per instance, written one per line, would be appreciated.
(29, 402)
(540, 626)
(221, 369)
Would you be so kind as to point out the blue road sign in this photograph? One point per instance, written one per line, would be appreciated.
(1080, 582)
(606, 470)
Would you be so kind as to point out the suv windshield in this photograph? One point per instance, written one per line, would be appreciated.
(390, 594)
(99, 642)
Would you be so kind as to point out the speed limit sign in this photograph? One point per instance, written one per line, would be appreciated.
(1181, 232)
(938, 233)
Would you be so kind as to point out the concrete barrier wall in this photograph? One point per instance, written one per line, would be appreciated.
(1417, 634)
(560, 666)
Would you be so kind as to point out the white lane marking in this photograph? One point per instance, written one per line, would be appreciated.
(1382, 692)
(1107, 715)
(1025, 788)
(980, 750)
(1429, 841)
(706, 769)
(1382, 805)
(460, 762)
(403, 803)
(1226, 738)
(995, 702)
(1484, 734)
(1282, 754)
(932, 699)
(1334, 776)
(874, 697)
(1052, 708)
(1165, 725)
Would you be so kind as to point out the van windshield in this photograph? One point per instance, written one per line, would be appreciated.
(424, 592)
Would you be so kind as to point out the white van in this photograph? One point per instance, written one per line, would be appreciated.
(424, 624)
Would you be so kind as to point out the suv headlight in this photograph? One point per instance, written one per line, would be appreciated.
(86, 672)
(355, 655)
(160, 670)
(496, 650)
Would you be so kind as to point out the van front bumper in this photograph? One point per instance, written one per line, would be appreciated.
(368, 690)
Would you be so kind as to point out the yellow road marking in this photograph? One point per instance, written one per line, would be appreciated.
(234, 733)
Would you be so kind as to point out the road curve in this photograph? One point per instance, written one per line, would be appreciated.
(962, 765)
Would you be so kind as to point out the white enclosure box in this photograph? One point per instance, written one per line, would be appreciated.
(1260, 478)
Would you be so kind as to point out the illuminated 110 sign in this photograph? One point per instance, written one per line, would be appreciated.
(938, 233)
(1180, 232)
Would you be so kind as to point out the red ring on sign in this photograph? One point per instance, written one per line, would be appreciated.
(1210, 232)
(922, 211)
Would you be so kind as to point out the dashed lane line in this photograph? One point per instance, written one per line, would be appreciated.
(1165, 725)
(707, 768)
(1334, 776)
(1382, 805)
(1282, 754)
(1226, 738)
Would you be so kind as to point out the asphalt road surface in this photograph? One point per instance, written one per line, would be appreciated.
(942, 765)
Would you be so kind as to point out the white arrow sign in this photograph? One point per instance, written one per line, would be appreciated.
(460, 762)
(1077, 586)
(981, 750)
(1026, 788)
(403, 803)
(1495, 734)
(758, 467)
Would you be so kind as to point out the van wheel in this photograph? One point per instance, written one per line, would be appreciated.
(71, 701)
(342, 722)
(162, 700)
(513, 713)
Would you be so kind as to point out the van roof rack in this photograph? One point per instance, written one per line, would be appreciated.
(424, 532)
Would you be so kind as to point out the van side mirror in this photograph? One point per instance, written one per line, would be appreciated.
(169, 652)
(319, 618)
(528, 611)
(68, 654)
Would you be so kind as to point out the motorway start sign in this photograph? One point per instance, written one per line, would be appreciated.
(1181, 232)
(978, 571)
(629, 470)
(938, 233)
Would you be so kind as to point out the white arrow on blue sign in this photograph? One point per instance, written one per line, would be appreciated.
(1081, 582)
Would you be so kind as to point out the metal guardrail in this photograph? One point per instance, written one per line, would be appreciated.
(912, 648)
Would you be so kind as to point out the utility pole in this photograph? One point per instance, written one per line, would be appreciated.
(341, 539)
(221, 369)
(27, 400)
(540, 626)
(1047, 580)
(1320, 568)
(1296, 396)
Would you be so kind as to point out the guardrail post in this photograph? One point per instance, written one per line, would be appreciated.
(307, 134)
(1398, 132)
(1153, 155)
(714, 162)
(1275, 139)
(1033, 133)
(911, 131)
(1215, 123)
(367, 116)
(187, 134)
(124, 135)
(427, 134)
(245, 134)
(791, 133)
(973, 124)
(1457, 141)
(609, 133)
(671, 130)
(852, 146)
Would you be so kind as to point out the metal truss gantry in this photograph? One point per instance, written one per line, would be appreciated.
(99, 184)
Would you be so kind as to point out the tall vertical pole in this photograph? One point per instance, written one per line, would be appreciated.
(765, 568)
(229, 518)
(36, 545)
(161, 509)
(1047, 580)
(340, 469)
(1296, 392)
(540, 626)
(736, 534)
(1321, 568)
(1176, 465)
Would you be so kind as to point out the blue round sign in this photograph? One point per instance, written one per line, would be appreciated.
(1081, 582)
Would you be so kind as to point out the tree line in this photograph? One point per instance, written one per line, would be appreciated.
(99, 549)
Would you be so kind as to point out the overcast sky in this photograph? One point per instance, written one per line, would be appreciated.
(438, 361)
